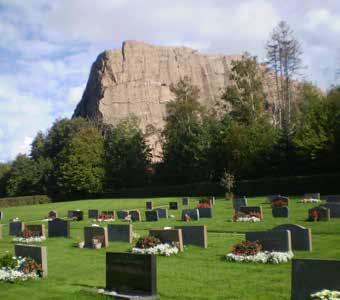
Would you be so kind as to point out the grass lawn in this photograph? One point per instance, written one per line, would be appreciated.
(195, 273)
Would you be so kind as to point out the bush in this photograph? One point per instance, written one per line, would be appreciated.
(7, 261)
(246, 248)
(147, 242)
(24, 200)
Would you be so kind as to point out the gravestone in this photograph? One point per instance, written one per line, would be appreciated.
(77, 215)
(301, 237)
(15, 227)
(91, 232)
(251, 209)
(205, 212)
(185, 201)
(173, 205)
(36, 229)
(120, 232)
(1, 215)
(333, 198)
(93, 213)
(168, 236)
(151, 215)
(148, 205)
(59, 228)
(273, 240)
(122, 214)
(192, 213)
(311, 196)
(280, 212)
(194, 235)
(38, 253)
(135, 215)
(323, 213)
(52, 214)
(239, 202)
(132, 274)
(162, 212)
(313, 275)
(334, 209)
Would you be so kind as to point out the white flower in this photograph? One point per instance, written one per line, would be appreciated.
(327, 295)
(95, 225)
(15, 274)
(161, 249)
(248, 219)
(167, 228)
(33, 239)
(262, 257)
(310, 200)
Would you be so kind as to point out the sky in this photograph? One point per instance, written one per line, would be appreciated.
(47, 47)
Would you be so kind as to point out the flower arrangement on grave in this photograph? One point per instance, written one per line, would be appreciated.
(280, 202)
(310, 200)
(247, 217)
(28, 236)
(97, 242)
(127, 218)
(326, 295)
(315, 214)
(247, 251)
(80, 243)
(104, 217)
(13, 269)
(187, 218)
(203, 205)
(153, 245)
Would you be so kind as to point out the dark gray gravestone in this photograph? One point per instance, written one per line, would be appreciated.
(273, 240)
(135, 215)
(313, 275)
(59, 228)
(280, 212)
(15, 227)
(238, 202)
(93, 213)
(251, 209)
(162, 212)
(122, 214)
(75, 215)
(334, 209)
(120, 232)
(301, 236)
(133, 274)
(148, 205)
(194, 235)
(38, 253)
(91, 232)
(36, 229)
(205, 212)
(185, 201)
(151, 215)
(173, 205)
(324, 214)
(192, 213)
(2, 215)
(311, 196)
(168, 236)
(333, 198)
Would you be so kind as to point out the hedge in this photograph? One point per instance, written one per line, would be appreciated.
(24, 200)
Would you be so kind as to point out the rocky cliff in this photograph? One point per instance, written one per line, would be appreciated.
(136, 79)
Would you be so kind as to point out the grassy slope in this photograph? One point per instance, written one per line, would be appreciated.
(194, 274)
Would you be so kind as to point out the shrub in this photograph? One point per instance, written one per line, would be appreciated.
(246, 248)
(24, 200)
(7, 261)
(147, 242)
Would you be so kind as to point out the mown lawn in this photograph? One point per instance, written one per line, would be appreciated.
(194, 274)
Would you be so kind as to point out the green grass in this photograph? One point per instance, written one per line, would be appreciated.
(194, 274)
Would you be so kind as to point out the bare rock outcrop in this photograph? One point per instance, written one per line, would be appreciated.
(136, 79)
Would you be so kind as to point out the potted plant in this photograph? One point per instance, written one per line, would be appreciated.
(80, 243)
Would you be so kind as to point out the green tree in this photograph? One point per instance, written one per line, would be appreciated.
(127, 157)
(4, 175)
(80, 162)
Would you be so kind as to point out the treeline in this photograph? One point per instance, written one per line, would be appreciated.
(243, 134)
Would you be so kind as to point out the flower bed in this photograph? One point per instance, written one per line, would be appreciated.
(247, 251)
(310, 200)
(13, 269)
(28, 236)
(248, 219)
(326, 295)
(152, 245)
(251, 217)
(105, 218)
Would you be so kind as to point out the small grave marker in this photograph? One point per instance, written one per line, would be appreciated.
(120, 232)
(173, 205)
(135, 215)
(205, 212)
(334, 209)
(194, 235)
(15, 227)
(151, 215)
(192, 213)
(280, 212)
(162, 212)
(185, 201)
(91, 232)
(148, 205)
(93, 213)
(273, 240)
(239, 202)
(122, 214)
(59, 228)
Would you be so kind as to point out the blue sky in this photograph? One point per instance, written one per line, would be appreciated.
(47, 47)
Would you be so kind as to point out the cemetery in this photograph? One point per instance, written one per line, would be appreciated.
(227, 255)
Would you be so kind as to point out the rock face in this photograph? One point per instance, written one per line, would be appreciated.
(136, 79)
